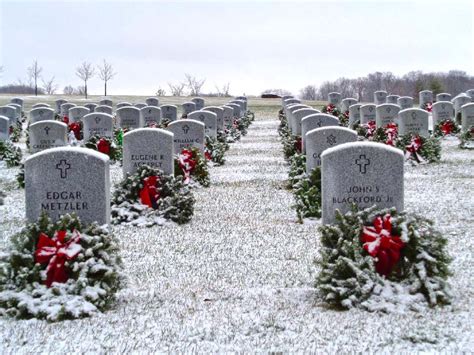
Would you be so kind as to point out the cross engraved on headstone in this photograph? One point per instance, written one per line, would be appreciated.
(41, 113)
(63, 166)
(97, 119)
(362, 162)
(46, 130)
(413, 115)
(389, 109)
(442, 106)
(331, 140)
(185, 129)
(371, 108)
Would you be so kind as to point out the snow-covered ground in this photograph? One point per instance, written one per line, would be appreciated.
(240, 275)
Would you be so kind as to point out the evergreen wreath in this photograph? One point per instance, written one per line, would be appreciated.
(15, 132)
(467, 139)
(344, 119)
(10, 153)
(20, 177)
(150, 197)
(297, 169)
(191, 166)
(215, 150)
(331, 109)
(307, 193)
(445, 128)
(381, 259)
(106, 146)
(61, 270)
(418, 149)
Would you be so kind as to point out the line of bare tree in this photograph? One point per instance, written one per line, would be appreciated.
(410, 84)
(192, 86)
(85, 72)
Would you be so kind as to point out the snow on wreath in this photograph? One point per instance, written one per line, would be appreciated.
(61, 270)
(383, 260)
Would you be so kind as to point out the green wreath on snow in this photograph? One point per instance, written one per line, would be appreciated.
(10, 153)
(149, 197)
(378, 259)
(61, 270)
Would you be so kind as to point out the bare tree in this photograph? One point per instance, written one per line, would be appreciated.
(224, 91)
(34, 73)
(177, 89)
(106, 73)
(309, 92)
(49, 86)
(68, 90)
(85, 71)
(194, 85)
(160, 92)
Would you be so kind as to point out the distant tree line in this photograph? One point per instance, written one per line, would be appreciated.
(34, 74)
(410, 84)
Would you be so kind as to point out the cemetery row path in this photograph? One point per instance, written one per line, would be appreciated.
(240, 277)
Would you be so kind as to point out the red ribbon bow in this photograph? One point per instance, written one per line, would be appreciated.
(298, 145)
(103, 146)
(412, 149)
(207, 154)
(186, 163)
(55, 252)
(149, 194)
(447, 127)
(66, 120)
(370, 127)
(391, 130)
(379, 242)
(76, 128)
(429, 106)
(330, 108)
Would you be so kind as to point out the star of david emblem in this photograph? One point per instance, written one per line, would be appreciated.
(331, 140)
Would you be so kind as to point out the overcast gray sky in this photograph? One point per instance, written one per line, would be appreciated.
(253, 45)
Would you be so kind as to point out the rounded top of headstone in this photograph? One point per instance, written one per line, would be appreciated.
(363, 146)
(138, 131)
(95, 114)
(73, 150)
(41, 123)
(440, 103)
(209, 108)
(185, 120)
(331, 128)
(320, 115)
(355, 106)
(368, 106)
(413, 110)
(426, 92)
(468, 105)
(385, 105)
(128, 108)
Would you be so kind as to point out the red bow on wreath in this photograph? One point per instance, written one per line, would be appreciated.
(207, 154)
(298, 145)
(370, 127)
(66, 120)
(429, 106)
(330, 108)
(413, 149)
(391, 130)
(380, 243)
(55, 252)
(76, 128)
(149, 194)
(447, 127)
(186, 163)
(103, 146)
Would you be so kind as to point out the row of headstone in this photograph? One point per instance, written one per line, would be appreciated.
(61, 180)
